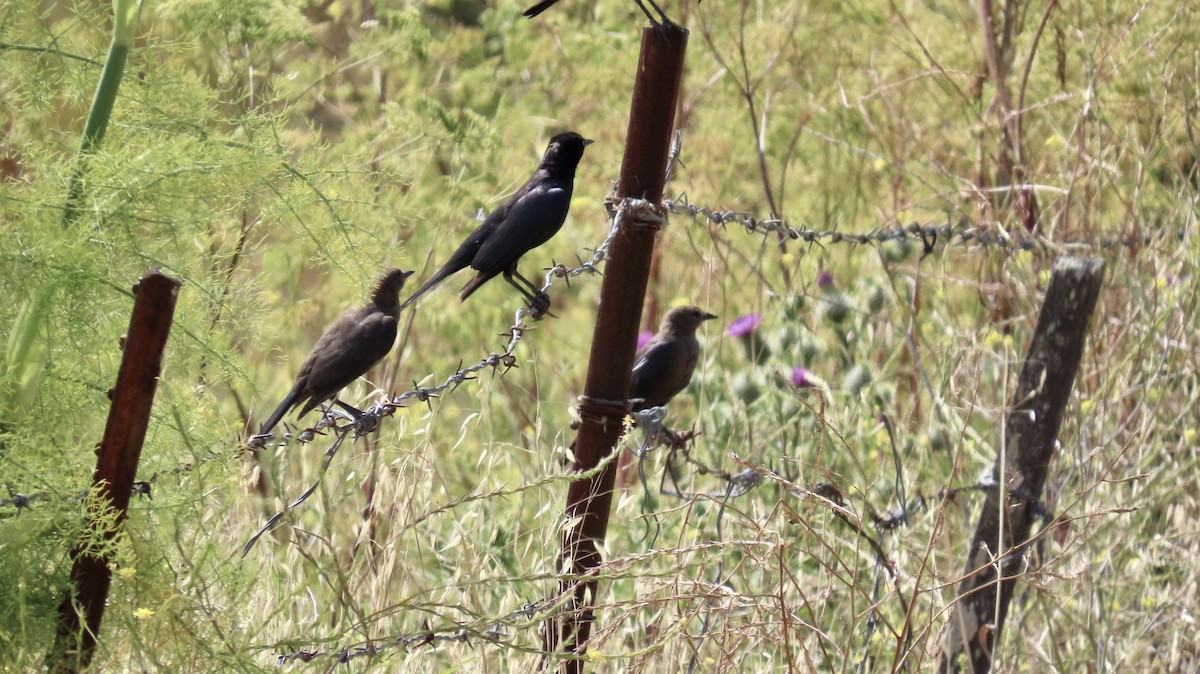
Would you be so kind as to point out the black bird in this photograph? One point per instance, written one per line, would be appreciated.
(663, 20)
(527, 220)
(356, 341)
(663, 367)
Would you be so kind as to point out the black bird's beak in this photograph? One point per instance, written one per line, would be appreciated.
(587, 142)
(708, 317)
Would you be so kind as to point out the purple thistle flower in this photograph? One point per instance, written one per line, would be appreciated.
(824, 278)
(744, 325)
(643, 337)
(802, 378)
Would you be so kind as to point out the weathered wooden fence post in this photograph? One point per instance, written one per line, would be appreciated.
(116, 467)
(996, 558)
(603, 405)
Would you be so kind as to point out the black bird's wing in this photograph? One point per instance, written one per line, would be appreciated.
(531, 220)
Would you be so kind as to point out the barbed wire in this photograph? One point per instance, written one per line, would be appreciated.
(928, 234)
(141, 488)
(650, 422)
(525, 617)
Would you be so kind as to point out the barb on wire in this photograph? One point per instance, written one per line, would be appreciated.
(674, 153)
(655, 434)
(650, 422)
(21, 501)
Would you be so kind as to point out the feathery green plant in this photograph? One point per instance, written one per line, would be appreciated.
(125, 14)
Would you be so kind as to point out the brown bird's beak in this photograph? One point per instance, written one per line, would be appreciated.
(708, 316)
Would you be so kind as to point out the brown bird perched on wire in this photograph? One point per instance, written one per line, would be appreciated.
(356, 341)
(527, 220)
(664, 366)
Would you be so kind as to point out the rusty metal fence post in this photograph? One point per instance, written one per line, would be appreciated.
(603, 405)
(116, 466)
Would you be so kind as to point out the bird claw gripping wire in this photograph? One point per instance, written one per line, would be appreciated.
(539, 308)
(650, 421)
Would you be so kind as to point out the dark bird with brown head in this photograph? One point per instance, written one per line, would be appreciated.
(356, 341)
(664, 366)
(529, 218)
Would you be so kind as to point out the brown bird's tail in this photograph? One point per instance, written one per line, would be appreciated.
(289, 401)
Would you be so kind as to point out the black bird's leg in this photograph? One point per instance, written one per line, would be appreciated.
(539, 301)
(527, 290)
(530, 291)
(666, 21)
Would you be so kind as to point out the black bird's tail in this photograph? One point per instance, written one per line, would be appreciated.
(538, 8)
(442, 274)
(289, 401)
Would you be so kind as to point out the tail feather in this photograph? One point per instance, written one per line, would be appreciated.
(473, 285)
(289, 401)
(442, 274)
(539, 8)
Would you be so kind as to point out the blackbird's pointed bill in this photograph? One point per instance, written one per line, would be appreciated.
(356, 341)
(664, 366)
(530, 217)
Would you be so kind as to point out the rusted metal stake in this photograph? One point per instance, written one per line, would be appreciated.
(116, 467)
(998, 552)
(603, 405)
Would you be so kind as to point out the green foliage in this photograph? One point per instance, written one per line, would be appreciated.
(25, 358)
(275, 156)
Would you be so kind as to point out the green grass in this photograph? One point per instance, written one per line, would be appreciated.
(275, 160)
